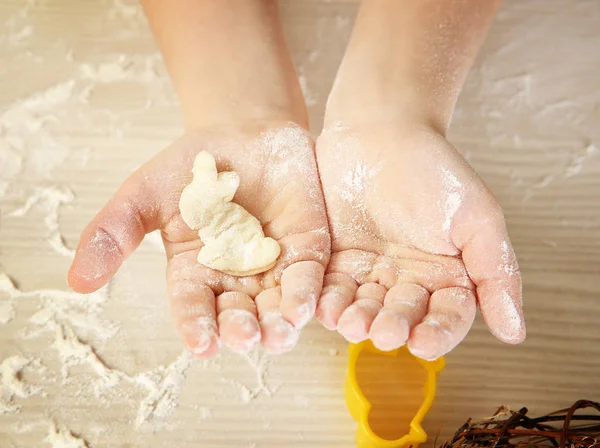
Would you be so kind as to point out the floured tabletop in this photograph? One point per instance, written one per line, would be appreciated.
(85, 100)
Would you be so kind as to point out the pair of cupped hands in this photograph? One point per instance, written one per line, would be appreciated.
(386, 233)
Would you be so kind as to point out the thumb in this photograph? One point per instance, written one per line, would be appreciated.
(482, 237)
(113, 235)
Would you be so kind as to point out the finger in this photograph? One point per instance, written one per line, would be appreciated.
(492, 265)
(310, 244)
(301, 284)
(355, 322)
(193, 310)
(185, 266)
(238, 326)
(337, 295)
(113, 235)
(278, 335)
(406, 266)
(449, 318)
(404, 306)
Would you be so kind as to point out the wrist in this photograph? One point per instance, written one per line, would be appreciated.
(376, 100)
(408, 60)
(257, 104)
(228, 64)
(381, 79)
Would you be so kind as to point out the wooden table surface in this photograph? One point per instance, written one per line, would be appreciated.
(84, 100)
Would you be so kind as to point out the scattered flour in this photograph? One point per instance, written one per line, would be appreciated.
(205, 413)
(63, 311)
(44, 101)
(121, 9)
(122, 68)
(573, 168)
(550, 243)
(342, 22)
(12, 385)
(32, 147)
(11, 164)
(258, 361)
(509, 261)
(512, 323)
(73, 352)
(163, 386)
(81, 311)
(16, 35)
(8, 294)
(576, 162)
(313, 56)
(351, 190)
(309, 96)
(544, 181)
(62, 437)
(30, 140)
(454, 190)
(357, 178)
(128, 20)
(69, 314)
(354, 181)
(50, 200)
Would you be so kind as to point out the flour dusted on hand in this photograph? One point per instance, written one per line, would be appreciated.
(233, 239)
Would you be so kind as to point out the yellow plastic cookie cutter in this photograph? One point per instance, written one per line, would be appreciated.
(360, 407)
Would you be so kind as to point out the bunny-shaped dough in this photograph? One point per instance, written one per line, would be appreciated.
(234, 241)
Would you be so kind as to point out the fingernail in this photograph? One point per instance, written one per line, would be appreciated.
(305, 312)
(204, 330)
(279, 336)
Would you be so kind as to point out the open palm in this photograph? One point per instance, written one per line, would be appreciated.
(279, 186)
(417, 242)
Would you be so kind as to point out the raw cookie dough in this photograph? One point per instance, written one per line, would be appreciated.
(233, 239)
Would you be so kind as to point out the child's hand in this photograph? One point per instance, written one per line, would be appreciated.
(279, 186)
(417, 242)
(417, 239)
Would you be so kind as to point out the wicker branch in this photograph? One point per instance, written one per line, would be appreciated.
(509, 429)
